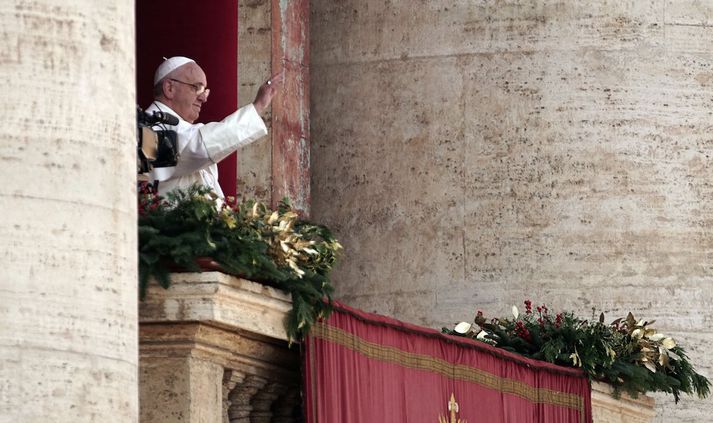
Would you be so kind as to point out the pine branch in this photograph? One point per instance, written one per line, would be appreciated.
(248, 240)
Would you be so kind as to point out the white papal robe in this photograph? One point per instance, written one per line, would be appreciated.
(202, 146)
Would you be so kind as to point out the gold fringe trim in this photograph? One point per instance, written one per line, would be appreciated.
(453, 371)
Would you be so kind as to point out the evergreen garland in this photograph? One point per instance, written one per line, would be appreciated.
(627, 354)
(247, 240)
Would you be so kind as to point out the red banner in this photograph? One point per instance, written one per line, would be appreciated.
(364, 368)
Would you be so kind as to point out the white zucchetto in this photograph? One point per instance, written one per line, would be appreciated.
(169, 65)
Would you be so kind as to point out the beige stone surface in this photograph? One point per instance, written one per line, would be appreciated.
(471, 155)
(211, 351)
(607, 409)
(68, 331)
(254, 66)
(180, 390)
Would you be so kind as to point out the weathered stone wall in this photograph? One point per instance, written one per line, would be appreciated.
(274, 38)
(254, 65)
(472, 154)
(68, 302)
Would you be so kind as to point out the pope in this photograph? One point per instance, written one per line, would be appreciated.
(181, 89)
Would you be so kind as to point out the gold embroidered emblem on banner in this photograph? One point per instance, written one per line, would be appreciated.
(453, 410)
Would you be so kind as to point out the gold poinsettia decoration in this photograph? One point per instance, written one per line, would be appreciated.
(287, 246)
(655, 348)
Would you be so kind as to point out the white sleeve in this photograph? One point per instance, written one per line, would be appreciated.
(200, 146)
(238, 129)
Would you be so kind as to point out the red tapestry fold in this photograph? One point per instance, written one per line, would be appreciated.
(363, 368)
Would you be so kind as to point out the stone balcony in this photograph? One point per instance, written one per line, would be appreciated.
(213, 350)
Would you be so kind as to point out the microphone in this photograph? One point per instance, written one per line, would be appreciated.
(163, 117)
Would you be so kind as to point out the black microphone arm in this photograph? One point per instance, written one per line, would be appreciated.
(158, 117)
(163, 117)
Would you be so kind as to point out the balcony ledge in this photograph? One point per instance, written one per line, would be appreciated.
(625, 409)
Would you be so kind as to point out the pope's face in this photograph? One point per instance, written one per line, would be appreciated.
(184, 83)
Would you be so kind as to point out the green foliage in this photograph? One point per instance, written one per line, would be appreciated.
(248, 240)
(627, 354)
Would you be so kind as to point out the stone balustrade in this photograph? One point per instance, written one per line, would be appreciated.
(213, 349)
